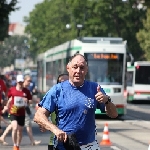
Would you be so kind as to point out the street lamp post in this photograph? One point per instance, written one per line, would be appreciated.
(80, 26)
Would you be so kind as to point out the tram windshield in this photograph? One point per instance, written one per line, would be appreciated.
(105, 68)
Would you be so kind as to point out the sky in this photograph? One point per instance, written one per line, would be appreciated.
(26, 6)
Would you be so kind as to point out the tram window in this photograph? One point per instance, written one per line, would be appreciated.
(62, 65)
(59, 68)
(40, 68)
(129, 78)
(54, 68)
(142, 75)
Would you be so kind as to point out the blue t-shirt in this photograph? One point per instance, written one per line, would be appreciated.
(75, 108)
(31, 86)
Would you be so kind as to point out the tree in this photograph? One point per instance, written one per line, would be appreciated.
(116, 19)
(5, 9)
(146, 3)
(100, 18)
(46, 25)
(143, 36)
(12, 48)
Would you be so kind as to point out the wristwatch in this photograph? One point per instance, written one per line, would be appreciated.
(109, 100)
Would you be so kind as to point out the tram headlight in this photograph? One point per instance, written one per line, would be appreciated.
(117, 90)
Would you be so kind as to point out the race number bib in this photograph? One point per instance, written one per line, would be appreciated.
(19, 101)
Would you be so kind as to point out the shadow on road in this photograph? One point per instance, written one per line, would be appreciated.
(140, 102)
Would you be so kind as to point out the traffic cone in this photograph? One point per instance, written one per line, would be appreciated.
(105, 140)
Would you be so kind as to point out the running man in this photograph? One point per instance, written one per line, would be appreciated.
(28, 123)
(18, 100)
(75, 101)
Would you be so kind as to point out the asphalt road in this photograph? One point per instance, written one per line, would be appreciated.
(38, 135)
(25, 145)
(131, 132)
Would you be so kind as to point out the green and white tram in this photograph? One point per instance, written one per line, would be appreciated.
(106, 61)
(138, 81)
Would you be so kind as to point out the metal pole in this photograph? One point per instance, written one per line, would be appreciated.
(78, 33)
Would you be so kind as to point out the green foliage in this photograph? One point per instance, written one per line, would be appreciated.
(12, 48)
(100, 18)
(5, 9)
(147, 3)
(143, 36)
(46, 25)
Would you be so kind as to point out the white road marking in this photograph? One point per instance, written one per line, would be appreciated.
(115, 148)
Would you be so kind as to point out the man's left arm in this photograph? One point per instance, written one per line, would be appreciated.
(111, 110)
(101, 97)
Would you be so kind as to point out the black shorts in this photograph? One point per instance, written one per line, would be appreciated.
(20, 119)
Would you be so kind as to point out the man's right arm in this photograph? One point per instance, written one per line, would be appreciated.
(41, 118)
(7, 105)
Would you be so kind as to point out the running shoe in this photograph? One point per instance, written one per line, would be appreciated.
(3, 142)
(35, 143)
(16, 148)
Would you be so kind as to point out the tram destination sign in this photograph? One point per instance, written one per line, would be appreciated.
(112, 56)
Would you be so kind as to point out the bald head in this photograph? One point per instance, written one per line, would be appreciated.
(77, 69)
(75, 55)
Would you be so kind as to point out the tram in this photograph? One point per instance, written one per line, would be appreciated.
(106, 62)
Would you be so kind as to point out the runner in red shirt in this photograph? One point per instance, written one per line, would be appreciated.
(18, 99)
(2, 89)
